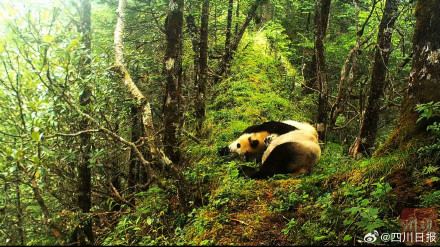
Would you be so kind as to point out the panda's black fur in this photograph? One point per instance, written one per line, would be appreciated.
(272, 127)
(292, 147)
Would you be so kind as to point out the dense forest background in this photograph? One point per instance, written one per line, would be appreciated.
(112, 113)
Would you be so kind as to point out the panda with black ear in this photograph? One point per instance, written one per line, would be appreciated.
(250, 145)
(281, 148)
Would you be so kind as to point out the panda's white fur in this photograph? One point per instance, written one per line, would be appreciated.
(306, 127)
(307, 141)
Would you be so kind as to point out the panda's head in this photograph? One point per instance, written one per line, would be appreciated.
(249, 145)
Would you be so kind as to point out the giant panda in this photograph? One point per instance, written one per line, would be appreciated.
(250, 145)
(281, 147)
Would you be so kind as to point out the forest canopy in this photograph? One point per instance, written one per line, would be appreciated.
(113, 112)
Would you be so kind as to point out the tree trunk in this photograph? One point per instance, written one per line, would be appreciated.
(203, 62)
(84, 172)
(368, 130)
(173, 68)
(237, 14)
(227, 55)
(237, 38)
(136, 131)
(21, 233)
(322, 11)
(225, 64)
(193, 34)
(309, 74)
(424, 83)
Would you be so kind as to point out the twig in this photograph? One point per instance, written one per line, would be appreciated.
(348, 123)
(11, 135)
(241, 222)
(72, 134)
(191, 136)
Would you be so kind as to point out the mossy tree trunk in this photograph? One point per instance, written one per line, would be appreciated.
(85, 235)
(173, 69)
(424, 83)
(322, 12)
(136, 133)
(368, 130)
(203, 63)
(309, 73)
(227, 54)
(237, 15)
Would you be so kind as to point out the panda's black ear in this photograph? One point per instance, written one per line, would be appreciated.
(223, 151)
(254, 143)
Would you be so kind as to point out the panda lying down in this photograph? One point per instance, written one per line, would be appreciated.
(281, 147)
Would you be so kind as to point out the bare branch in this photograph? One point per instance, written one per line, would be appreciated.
(72, 134)
(361, 32)
(347, 124)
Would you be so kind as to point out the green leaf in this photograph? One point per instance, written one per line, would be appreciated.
(348, 238)
(353, 209)
(48, 39)
(35, 136)
(234, 173)
(149, 221)
(365, 202)
(317, 238)
(12, 169)
(35, 159)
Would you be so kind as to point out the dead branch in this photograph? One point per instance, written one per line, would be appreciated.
(72, 134)
(347, 124)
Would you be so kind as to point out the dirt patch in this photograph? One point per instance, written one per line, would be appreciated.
(254, 225)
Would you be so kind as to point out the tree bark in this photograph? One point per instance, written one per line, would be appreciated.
(84, 172)
(203, 62)
(322, 12)
(193, 34)
(368, 130)
(424, 83)
(227, 55)
(173, 69)
(237, 14)
(21, 233)
(136, 131)
(309, 73)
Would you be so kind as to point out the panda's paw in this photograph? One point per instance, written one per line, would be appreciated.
(268, 140)
(247, 171)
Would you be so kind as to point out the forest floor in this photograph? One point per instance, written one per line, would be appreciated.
(253, 223)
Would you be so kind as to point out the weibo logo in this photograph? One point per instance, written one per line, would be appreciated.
(371, 237)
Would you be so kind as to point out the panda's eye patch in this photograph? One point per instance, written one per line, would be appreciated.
(254, 143)
(238, 145)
